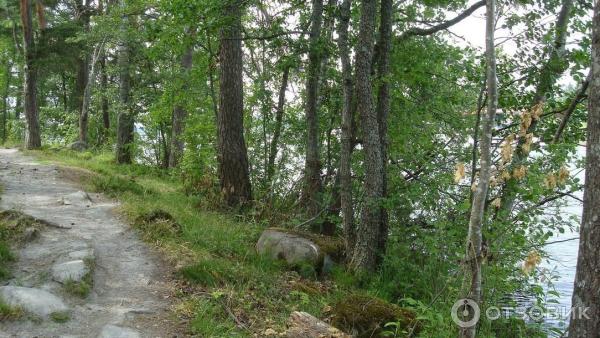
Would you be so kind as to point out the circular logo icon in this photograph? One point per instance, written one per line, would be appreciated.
(465, 313)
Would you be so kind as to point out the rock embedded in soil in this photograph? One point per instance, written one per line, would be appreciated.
(291, 247)
(70, 271)
(82, 254)
(38, 302)
(78, 198)
(113, 331)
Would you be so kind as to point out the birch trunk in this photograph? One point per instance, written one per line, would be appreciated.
(87, 95)
(474, 239)
(586, 292)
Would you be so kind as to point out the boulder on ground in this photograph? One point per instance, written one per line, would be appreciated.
(113, 331)
(70, 271)
(78, 146)
(291, 247)
(304, 325)
(38, 302)
(297, 248)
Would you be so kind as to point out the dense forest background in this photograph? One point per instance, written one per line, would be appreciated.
(360, 120)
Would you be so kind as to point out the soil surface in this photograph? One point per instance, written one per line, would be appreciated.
(130, 282)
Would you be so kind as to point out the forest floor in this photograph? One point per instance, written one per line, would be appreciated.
(127, 284)
(217, 284)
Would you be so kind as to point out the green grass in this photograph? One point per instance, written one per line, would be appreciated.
(8, 312)
(60, 316)
(229, 289)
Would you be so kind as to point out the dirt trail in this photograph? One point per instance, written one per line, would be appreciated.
(129, 283)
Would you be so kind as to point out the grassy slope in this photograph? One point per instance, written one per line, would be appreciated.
(226, 289)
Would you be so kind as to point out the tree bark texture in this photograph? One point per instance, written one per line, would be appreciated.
(180, 114)
(586, 292)
(232, 152)
(33, 138)
(125, 119)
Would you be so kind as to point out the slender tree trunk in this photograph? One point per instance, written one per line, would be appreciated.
(232, 152)
(5, 96)
(82, 64)
(383, 103)
(104, 100)
(125, 120)
(345, 173)
(311, 195)
(278, 124)
(87, 95)
(585, 321)
(366, 250)
(180, 115)
(103, 9)
(476, 219)
(33, 139)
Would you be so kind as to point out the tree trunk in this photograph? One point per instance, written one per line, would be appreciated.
(180, 115)
(5, 96)
(346, 136)
(125, 120)
(104, 81)
(586, 296)
(366, 251)
(383, 104)
(33, 139)
(232, 152)
(83, 21)
(311, 195)
(474, 238)
(278, 124)
(87, 95)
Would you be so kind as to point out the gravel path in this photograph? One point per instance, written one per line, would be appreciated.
(130, 294)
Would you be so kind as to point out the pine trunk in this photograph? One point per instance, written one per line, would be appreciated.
(345, 174)
(586, 295)
(33, 139)
(311, 195)
(125, 120)
(232, 152)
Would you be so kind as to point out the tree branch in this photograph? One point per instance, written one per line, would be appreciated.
(417, 31)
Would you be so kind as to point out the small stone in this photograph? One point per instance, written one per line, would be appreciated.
(73, 270)
(81, 254)
(113, 331)
(35, 301)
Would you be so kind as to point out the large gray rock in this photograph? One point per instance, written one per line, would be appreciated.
(73, 270)
(36, 301)
(78, 146)
(113, 331)
(292, 248)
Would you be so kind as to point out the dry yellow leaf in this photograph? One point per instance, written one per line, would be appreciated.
(459, 173)
(496, 203)
(563, 175)
(520, 172)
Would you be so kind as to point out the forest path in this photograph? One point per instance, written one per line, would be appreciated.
(130, 294)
